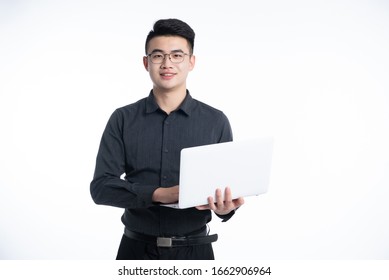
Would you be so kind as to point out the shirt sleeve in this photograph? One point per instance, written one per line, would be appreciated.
(226, 131)
(225, 136)
(226, 217)
(107, 187)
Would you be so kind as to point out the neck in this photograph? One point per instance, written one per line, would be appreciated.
(169, 101)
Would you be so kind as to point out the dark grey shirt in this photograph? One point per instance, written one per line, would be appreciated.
(144, 143)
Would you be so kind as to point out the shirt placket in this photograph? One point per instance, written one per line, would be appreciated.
(166, 153)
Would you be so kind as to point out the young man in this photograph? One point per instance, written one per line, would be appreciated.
(143, 141)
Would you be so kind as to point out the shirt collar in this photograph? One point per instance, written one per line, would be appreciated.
(186, 106)
(151, 104)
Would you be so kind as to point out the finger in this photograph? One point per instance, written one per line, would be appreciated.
(219, 198)
(227, 194)
(238, 202)
(211, 203)
(229, 203)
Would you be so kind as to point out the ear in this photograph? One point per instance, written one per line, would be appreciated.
(192, 62)
(146, 63)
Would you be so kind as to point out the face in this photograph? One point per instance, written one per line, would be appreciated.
(169, 76)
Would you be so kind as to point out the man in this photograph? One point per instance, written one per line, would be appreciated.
(137, 166)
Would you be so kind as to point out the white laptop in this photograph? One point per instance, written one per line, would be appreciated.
(244, 166)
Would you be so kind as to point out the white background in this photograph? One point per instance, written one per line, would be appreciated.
(313, 74)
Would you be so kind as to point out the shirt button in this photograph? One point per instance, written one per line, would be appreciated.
(166, 150)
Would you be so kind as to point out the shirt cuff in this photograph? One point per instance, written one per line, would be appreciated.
(226, 217)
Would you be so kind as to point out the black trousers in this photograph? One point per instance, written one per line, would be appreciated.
(131, 249)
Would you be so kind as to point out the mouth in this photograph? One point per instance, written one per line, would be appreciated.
(167, 74)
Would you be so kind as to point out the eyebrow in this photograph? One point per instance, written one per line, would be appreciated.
(173, 51)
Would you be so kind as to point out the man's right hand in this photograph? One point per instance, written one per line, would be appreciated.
(166, 195)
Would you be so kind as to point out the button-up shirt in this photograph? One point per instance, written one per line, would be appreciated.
(140, 152)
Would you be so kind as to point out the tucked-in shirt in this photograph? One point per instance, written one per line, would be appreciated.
(140, 152)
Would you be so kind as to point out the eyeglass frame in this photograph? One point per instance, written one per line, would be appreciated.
(167, 54)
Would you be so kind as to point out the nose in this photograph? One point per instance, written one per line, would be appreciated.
(166, 61)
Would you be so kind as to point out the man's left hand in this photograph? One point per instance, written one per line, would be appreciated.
(220, 206)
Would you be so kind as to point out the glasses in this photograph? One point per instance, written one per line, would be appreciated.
(159, 57)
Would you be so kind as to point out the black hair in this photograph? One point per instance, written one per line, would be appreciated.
(172, 27)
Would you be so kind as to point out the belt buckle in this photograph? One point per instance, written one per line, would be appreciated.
(164, 242)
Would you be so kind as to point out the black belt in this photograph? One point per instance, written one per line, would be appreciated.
(173, 241)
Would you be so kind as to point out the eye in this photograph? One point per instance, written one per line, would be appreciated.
(177, 55)
(157, 56)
